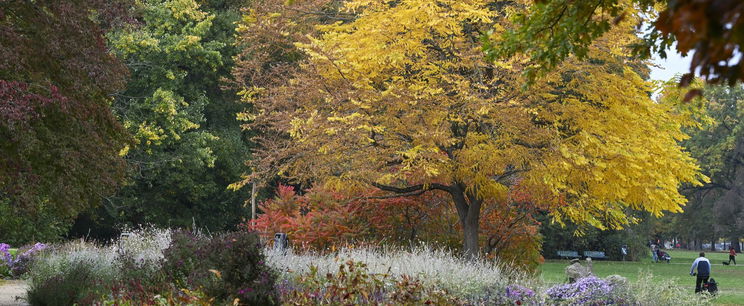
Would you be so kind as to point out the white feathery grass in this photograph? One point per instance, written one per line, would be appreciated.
(433, 267)
(145, 245)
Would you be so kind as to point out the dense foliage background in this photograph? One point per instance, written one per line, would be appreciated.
(362, 124)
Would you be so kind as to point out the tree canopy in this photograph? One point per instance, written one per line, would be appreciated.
(59, 141)
(397, 95)
(187, 143)
(715, 207)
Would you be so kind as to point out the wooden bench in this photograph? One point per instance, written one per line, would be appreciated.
(595, 254)
(568, 254)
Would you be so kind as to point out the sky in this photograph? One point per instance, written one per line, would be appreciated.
(673, 64)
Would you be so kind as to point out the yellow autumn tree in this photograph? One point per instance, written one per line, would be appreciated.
(398, 95)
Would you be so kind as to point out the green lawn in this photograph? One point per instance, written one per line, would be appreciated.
(730, 278)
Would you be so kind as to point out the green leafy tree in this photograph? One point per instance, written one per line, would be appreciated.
(188, 146)
(719, 148)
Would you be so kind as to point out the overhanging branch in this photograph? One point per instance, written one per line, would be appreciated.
(413, 188)
(507, 174)
(390, 196)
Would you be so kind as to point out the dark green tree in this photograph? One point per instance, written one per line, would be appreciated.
(715, 209)
(188, 146)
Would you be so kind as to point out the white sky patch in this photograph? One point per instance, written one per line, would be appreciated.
(673, 65)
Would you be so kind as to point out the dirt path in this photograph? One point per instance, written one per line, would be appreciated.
(11, 289)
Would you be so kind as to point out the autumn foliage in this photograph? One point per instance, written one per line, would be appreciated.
(397, 96)
(59, 141)
(321, 220)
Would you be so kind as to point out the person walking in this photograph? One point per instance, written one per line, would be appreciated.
(703, 271)
(654, 253)
(732, 255)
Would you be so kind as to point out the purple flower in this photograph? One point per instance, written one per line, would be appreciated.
(5, 257)
(245, 291)
(19, 264)
(518, 293)
(586, 290)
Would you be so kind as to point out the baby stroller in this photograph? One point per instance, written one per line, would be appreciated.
(664, 256)
(711, 286)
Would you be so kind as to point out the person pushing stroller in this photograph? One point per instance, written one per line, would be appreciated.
(703, 271)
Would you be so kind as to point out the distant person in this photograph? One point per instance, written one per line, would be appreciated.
(703, 271)
(654, 253)
(732, 255)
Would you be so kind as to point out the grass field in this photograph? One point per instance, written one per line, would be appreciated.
(730, 278)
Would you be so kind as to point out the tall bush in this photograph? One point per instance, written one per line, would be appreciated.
(227, 267)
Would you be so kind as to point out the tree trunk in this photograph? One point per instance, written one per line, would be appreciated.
(470, 239)
(735, 244)
(468, 210)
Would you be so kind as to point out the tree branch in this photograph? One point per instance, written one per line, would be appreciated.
(507, 174)
(335, 16)
(705, 187)
(390, 196)
(525, 144)
(413, 188)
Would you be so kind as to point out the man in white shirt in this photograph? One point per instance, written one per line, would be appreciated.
(703, 271)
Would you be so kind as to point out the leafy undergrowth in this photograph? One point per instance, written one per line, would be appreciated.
(426, 276)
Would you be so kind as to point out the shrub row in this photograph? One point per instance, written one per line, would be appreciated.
(161, 267)
(155, 267)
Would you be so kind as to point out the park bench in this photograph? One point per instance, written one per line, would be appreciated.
(568, 254)
(595, 254)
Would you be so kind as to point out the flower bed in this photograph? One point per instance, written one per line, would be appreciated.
(441, 277)
(155, 267)
(163, 267)
(15, 262)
